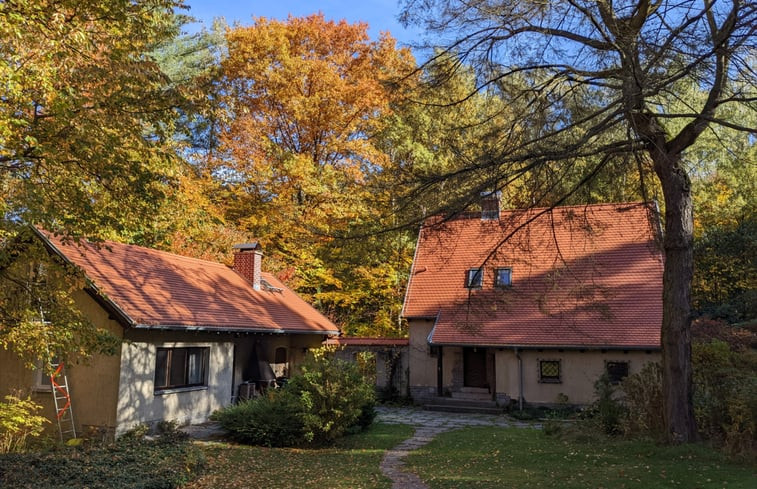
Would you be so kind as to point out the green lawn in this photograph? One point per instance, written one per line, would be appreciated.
(525, 458)
(352, 463)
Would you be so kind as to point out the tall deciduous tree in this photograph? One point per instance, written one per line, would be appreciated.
(86, 118)
(302, 101)
(594, 76)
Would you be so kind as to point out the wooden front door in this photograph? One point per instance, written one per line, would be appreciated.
(474, 367)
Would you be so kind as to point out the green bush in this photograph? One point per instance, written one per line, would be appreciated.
(642, 396)
(274, 420)
(326, 400)
(335, 397)
(607, 409)
(725, 395)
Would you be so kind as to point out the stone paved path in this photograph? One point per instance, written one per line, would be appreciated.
(427, 425)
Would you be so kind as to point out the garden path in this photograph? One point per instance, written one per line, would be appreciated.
(427, 425)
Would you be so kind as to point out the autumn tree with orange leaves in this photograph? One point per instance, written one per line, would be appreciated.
(301, 102)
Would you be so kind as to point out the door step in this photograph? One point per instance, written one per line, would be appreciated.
(456, 405)
(448, 408)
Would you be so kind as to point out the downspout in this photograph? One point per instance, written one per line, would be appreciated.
(439, 372)
(520, 379)
(233, 372)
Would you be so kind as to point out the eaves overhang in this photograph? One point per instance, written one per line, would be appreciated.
(91, 288)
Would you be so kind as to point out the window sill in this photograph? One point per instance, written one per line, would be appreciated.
(550, 381)
(176, 390)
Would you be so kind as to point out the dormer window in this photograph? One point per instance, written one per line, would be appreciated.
(503, 277)
(475, 278)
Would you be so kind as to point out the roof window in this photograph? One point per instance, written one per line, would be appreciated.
(475, 278)
(503, 277)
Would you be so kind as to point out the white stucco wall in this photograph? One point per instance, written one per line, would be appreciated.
(138, 403)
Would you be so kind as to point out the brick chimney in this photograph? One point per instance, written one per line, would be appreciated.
(490, 205)
(248, 258)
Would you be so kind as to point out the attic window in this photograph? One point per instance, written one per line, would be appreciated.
(503, 277)
(475, 278)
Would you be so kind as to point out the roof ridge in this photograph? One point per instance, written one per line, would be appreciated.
(528, 210)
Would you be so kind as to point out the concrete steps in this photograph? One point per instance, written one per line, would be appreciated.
(467, 403)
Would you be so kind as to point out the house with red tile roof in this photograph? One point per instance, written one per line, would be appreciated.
(195, 334)
(533, 305)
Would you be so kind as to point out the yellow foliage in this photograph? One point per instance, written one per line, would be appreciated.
(18, 422)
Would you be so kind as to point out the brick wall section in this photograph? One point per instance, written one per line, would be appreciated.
(247, 263)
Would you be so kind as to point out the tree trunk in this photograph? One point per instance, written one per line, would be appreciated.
(677, 383)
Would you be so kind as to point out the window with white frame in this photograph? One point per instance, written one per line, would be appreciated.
(181, 367)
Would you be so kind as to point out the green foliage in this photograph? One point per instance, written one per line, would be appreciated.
(725, 397)
(132, 462)
(86, 125)
(38, 316)
(18, 422)
(327, 399)
(642, 396)
(607, 410)
(725, 278)
(335, 396)
(86, 115)
(273, 421)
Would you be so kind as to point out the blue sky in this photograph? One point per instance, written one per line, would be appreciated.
(381, 15)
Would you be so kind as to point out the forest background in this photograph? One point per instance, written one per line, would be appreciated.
(325, 145)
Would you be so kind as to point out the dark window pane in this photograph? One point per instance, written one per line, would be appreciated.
(161, 368)
(617, 371)
(178, 367)
(281, 355)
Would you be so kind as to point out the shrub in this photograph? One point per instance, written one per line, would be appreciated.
(725, 395)
(335, 397)
(326, 400)
(18, 422)
(642, 396)
(607, 409)
(274, 420)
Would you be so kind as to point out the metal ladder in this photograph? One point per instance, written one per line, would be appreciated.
(63, 409)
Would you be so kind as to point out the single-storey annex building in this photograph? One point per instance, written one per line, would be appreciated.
(533, 305)
(195, 335)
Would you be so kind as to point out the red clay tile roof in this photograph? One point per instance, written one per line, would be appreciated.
(159, 289)
(582, 276)
(366, 341)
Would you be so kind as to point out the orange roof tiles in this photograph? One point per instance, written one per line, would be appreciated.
(582, 276)
(158, 289)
